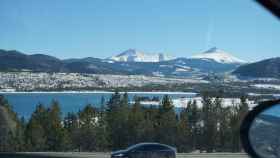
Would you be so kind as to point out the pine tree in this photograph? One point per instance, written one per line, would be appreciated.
(102, 106)
(102, 133)
(35, 136)
(150, 123)
(35, 133)
(11, 133)
(136, 123)
(243, 109)
(116, 119)
(209, 123)
(193, 118)
(19, 137)
(166, 125)
(238, 113)
(88, 119)
(71, 125)
(234, 128)
(222, 120)
(111, 113)
(56, 134)
(183, 142)
(224, 130)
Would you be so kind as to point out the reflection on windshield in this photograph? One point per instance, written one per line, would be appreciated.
(274, 111)
(264, 133)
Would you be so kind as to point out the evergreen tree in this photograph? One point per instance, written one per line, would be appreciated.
(193, 118)
(102, 133)
(102, 106)
(234, 128)
(209, 123)
(166, 125)
(36, 135)
(11, 133)
(56, 134)
(243, 109)
(123, 114)
(150, 122)
(111, 113)
(5, 127)
(71, 125)
(88, 119)
(224, 130)
(136, 123)
(18, 136)
(117, 118)
(183, 142)
(238, 113)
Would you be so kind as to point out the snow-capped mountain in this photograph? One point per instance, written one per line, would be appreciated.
(219, 56)
(132, 55)
(130, 62)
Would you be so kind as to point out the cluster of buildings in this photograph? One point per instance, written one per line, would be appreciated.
(29, 81)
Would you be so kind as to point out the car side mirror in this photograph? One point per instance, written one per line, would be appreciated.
(260, 131)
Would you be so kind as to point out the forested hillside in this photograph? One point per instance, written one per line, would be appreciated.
(269, 68)
(118, 124)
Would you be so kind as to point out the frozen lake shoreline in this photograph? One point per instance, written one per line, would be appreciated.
(24, 103)
(98, 92)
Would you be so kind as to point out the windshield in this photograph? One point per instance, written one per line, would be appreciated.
(99, 76)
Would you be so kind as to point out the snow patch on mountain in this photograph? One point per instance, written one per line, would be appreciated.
(219, 56)
(132, 55)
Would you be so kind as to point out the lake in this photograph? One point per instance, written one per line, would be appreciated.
(24, 103)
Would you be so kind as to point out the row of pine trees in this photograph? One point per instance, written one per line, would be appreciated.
(116, 124)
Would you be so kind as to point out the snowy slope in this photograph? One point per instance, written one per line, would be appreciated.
(219, 56)
(132, 55)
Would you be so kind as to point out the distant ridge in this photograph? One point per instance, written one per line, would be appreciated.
(130, 62)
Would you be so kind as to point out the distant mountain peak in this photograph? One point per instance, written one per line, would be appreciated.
(129, 52)
(212, 50)
(133, 55)
(219, 56)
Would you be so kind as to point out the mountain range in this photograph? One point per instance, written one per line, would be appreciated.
(133, 55)
(132, 62)
(268, 68)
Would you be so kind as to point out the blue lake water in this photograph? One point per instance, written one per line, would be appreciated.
(25, 103)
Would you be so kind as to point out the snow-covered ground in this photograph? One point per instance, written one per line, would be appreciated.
(268, 86)
(183, 102)
(219, 56)
(132, 55)
(261, 94)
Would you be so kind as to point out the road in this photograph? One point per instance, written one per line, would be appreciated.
(107, 155)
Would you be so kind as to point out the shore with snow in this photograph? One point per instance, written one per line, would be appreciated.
(105, 92)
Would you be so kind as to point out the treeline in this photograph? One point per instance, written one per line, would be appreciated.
(117, 124)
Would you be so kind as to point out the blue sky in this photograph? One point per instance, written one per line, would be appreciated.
(102, 28)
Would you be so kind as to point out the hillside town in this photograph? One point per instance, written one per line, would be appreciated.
(28, 81)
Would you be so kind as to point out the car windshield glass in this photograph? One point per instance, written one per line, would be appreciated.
(100, 76)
